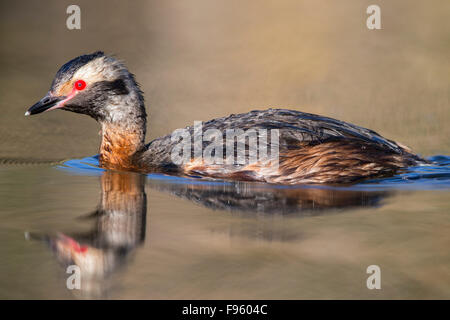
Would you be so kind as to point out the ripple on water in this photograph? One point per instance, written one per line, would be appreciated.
(425, 177)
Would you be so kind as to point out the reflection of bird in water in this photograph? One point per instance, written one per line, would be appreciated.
(259, 198)
(120, 223)
(120, 219)
(312, 148)
(263, 212)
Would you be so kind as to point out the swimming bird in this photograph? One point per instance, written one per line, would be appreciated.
(311, 149)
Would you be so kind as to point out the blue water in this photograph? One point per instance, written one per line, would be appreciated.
(425, 177)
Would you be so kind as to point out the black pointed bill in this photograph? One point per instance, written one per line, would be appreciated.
(46, 103)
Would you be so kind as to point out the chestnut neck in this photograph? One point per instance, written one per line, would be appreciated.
(123, 120)
(121, 145)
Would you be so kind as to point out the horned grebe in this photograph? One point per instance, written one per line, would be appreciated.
(312, 148)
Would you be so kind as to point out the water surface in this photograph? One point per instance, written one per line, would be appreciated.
(156, 236)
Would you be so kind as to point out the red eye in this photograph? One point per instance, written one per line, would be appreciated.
(80, 85)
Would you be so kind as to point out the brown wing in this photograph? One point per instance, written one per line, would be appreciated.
(312, 149)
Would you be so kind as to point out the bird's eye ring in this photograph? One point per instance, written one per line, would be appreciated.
(80, 85)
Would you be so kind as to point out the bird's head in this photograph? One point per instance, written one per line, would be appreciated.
(96, 85)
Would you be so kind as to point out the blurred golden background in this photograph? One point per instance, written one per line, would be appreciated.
(201, 59)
